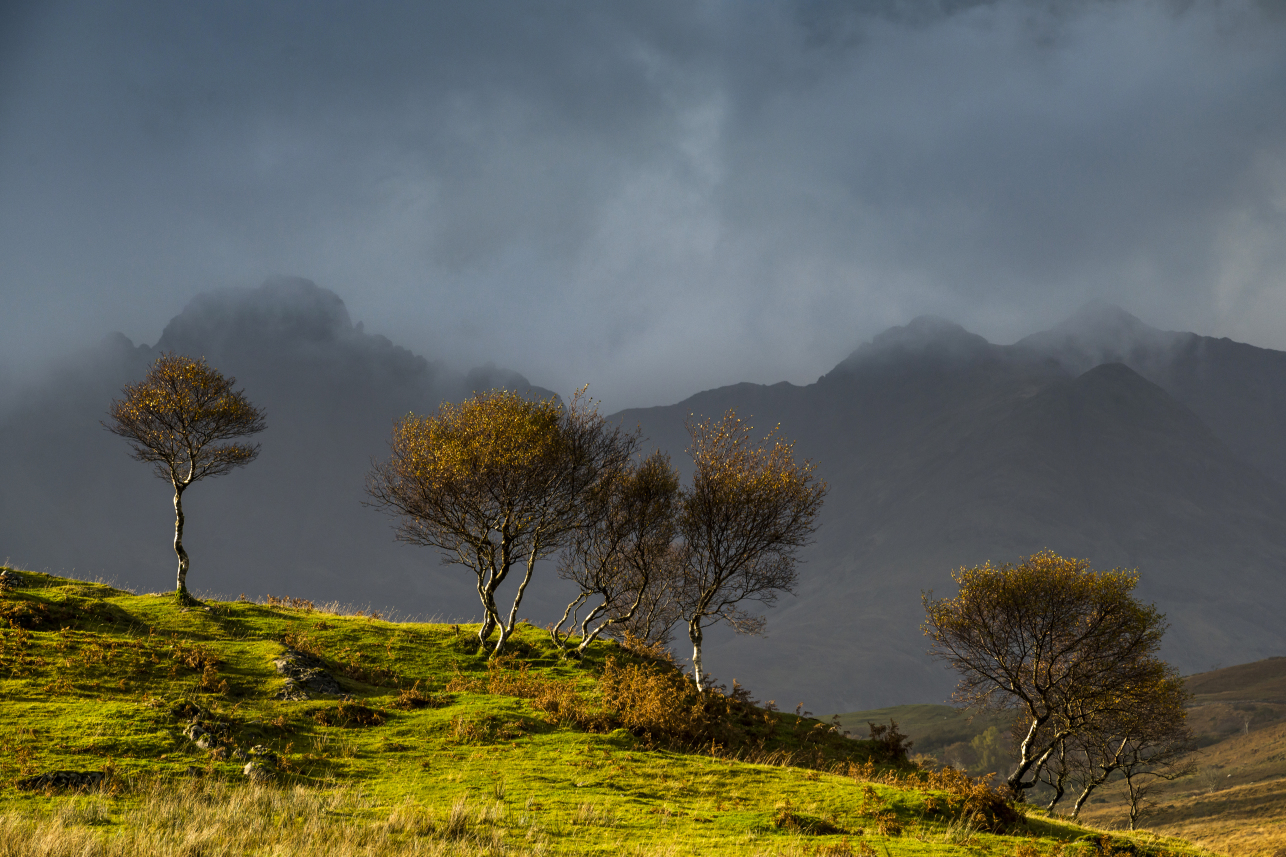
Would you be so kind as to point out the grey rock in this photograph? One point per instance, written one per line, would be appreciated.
(304, 673)
(63, 781)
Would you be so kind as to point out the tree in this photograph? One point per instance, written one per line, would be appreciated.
(751, 507)
(1157, 751)
(625, 556)
(1051, 640)
(497, 480)
(1145, 717)
(183, 418)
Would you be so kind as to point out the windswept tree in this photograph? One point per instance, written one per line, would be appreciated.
(1161, 751)
(184, 418)
(750, 509)
(497, 481)
(1148, 733)
(1050, 640)
(1144, 717)
(625, 561)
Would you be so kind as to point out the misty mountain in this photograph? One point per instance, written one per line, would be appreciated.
(1238, 390)
(292, 521)
(944, 450)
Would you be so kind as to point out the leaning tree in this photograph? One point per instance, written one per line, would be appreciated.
(184, 418)
(496, 481)
(1050, 640)
(750, 508)
(623, 562)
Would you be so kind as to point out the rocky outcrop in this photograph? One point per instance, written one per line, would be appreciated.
(304, 673)
(9, 579)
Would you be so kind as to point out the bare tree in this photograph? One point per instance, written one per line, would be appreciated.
(499, 480)
(1160, 752)
(751, 507)
(624, 558)
(1049, 639)
(182, 417)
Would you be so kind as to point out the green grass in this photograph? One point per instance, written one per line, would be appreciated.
(932, 728)
(95, 678)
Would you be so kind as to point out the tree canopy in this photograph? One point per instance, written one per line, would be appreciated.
(626, 558)
(751, 507)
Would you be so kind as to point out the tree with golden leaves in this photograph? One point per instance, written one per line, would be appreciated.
(624, 561)
(1053, 641)
(184, 418)
(750, 509)
(496, 481)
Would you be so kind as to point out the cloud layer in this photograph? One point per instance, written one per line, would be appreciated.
(653, 198)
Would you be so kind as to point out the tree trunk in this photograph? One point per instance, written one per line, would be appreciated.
(182, 587)
(1060, 778)
(1029, 764)
(1080, 800)
(488, 618)
(694, 634)
(507, 628)
(1058, 795)
(572, 610)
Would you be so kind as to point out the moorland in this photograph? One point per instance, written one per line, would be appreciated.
(213, 728)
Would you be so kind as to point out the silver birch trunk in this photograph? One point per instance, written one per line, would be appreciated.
(507, 628)
(182, 585)
(695, 635)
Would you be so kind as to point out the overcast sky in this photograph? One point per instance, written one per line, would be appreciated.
(652, 197)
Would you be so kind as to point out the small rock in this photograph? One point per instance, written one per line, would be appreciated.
(10, 580)
(263, 754)
(260, 770)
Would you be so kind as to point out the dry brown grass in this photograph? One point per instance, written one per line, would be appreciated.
(1235, 803)
(214, 819)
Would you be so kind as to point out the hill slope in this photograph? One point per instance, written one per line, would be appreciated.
(1234, 802)
(428, 751)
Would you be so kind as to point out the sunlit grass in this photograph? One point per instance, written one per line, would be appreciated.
(100, 682)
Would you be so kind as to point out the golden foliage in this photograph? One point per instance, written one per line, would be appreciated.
(181, 416)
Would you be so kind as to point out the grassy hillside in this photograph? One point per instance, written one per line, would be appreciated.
(429, 749)
(1235, 802)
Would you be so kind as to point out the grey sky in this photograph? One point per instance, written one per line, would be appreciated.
(651, 197)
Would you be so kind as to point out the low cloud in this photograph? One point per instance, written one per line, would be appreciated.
(653, 199)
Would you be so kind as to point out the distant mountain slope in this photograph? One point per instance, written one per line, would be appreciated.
(1261, 681)
(71, 497)
(943, 450)
(1238, 390)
